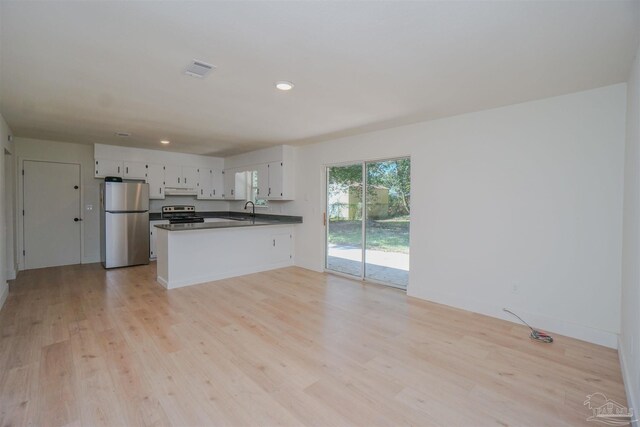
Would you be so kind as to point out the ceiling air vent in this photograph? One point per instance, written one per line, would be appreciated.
(199, 69)
(123, 134)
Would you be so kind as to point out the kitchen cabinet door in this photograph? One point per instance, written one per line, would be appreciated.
(106, 167)
(155, 179)
(173, 176)
(241, 185)
(217, 184)
(235, 183)
(189, 176)
(229, 181)
(152, 236)
(276, 188)
(281, 245)
(135, 170)
(262, 171)
(205, 184)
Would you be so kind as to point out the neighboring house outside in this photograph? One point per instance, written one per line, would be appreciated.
(345, 203)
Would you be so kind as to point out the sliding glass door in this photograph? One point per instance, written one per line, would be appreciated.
(368, 231)
(344, 219)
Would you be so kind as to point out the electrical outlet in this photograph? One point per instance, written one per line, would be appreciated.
(89, 207)
(515, 288)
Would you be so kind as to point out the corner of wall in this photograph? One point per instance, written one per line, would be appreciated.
(4, 293)
(629, 339)
(632, 399)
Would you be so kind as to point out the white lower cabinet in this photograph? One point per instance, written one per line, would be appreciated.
(281, 247)
(152, 236)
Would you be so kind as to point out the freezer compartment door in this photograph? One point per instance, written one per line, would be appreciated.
(126, 196)
(126, 239)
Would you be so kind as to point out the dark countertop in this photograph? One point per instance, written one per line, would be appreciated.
(236, 219)
(154, 216)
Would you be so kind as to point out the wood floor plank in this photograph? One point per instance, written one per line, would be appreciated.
(80, 345)
(61, 396)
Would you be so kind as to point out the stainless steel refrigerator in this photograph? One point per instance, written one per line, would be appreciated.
(124, 231)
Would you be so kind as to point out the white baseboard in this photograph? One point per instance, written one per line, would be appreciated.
(12, 274)
(162, 282)
(4, 295)
(632, 397)
(549, 324)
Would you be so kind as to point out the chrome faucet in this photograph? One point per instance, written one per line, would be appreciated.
(253, 210)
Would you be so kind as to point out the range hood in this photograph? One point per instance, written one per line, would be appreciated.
(180, 191)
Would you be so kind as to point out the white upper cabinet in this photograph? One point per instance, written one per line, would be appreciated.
(276, 187)
(189, 176)
(202, 176)
(155, 179)
(135, 170)
(275, 168)
(205, 184)
(274, 181)
(262, 171)
(107, 167)
(217, 183)
(210, 184)
(181, 176)
(173, 176)
(241, 185)
(235, 183)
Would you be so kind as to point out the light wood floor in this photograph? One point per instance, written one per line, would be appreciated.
(81, 345)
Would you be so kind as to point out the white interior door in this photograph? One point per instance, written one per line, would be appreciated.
(51, 203)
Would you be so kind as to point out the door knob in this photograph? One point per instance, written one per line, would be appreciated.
(77, 219)
(75, 187)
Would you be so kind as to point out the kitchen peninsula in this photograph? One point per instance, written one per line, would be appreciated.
(226, 246)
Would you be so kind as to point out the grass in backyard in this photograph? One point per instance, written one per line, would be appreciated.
(384, 235)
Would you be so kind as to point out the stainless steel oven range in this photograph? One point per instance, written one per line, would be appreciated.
(181, 214)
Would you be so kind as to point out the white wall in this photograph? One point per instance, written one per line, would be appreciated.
(6, 196)
(527, 195)
(201, 205)
(629, 349)
(10, 213)
(82, 154)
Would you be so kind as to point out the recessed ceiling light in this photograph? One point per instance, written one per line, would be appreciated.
(164, 141)
(284, 85)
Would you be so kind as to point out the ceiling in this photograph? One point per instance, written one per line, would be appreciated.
(81, 71)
